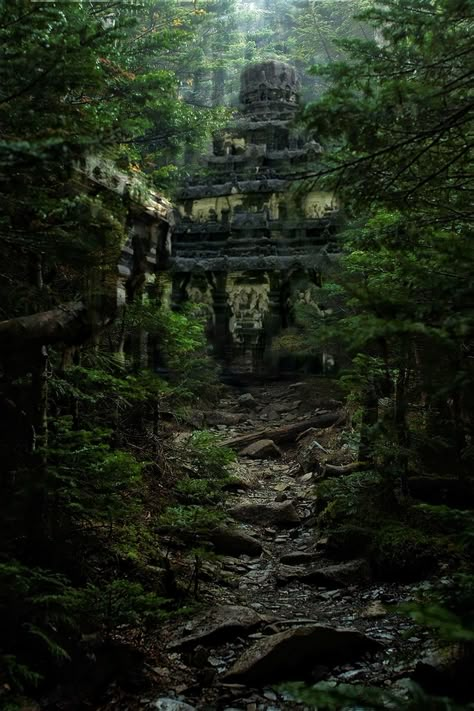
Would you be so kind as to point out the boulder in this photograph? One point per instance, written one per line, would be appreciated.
(166, 703)
(248, 401)
(299, 558)
(293, 654)
(341, 575)
(446, 672)
(270, 414)
(263, 449)
(218, 417)
(220, 624)
(282, 406)
(234, 541)
(273, 512)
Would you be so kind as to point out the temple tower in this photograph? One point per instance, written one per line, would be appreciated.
(251, 237)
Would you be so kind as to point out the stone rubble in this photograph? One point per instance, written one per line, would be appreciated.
(276, 606)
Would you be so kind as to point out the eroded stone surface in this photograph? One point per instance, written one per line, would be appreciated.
(168, 704)
(218, 625)
(248, 401)
(268, 512)
(252, 583)
(246, 246)
(299, 558)
(219, 417)
(293, 653)
(354, 572)
(263, 449)
(231, 540)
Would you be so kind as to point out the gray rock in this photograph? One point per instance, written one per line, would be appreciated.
(308, 456)
(167, 704)
(293, 653)
(263, 449)
(299, 557)
(331, 576)
(247, 400)
(375, 610)
(447, 671)
(234, 541)
(218, 417)
(273, 512)
(271, 414)
(282, 406)
(220, 624)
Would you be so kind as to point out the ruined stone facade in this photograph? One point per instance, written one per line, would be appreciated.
(251, 239)
(149, 221)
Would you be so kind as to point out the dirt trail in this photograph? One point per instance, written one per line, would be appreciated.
(268, 594)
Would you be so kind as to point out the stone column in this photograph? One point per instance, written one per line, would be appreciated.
(222, 345)
(273, 319)
(178, 291)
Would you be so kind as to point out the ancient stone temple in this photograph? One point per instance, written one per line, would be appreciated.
(252, 238)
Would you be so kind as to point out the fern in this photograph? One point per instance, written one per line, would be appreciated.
(329, 696)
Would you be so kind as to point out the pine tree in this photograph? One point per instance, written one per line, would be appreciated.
(398, 121)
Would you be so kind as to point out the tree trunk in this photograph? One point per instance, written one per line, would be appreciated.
(37, 524)
(369, 419)
(403, 436)
(68, 323)
(287, 432)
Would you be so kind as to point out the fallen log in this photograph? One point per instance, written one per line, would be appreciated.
(338, 470)
(71, 323)
(66, 324)
(286, 433)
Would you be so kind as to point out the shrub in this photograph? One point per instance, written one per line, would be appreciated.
(207, 457)
(398, 551)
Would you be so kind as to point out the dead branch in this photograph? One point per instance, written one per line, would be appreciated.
(287, 433)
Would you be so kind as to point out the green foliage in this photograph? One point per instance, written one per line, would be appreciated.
(320, 25)
(85, 83)
(396, 119)
(208, 458)
(355, 497)
(363, 516)
(37, 609)
(181, 341)
(189, 520)
(400, 551)
(332, 697)
(196, 491)
(180, 333)
(89, 480)
(449, 625)
(117, 604)
(397, 124)
(200, 490)
(449, 607)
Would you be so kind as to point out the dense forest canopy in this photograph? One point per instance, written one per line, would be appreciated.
(101, 499)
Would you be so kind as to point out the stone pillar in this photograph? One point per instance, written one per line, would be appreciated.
(273, 319)
(178, 291)
(222, 345)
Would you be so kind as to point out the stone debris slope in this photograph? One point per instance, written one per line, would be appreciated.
(275, 605)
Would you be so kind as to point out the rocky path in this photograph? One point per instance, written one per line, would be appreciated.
(275, 605)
